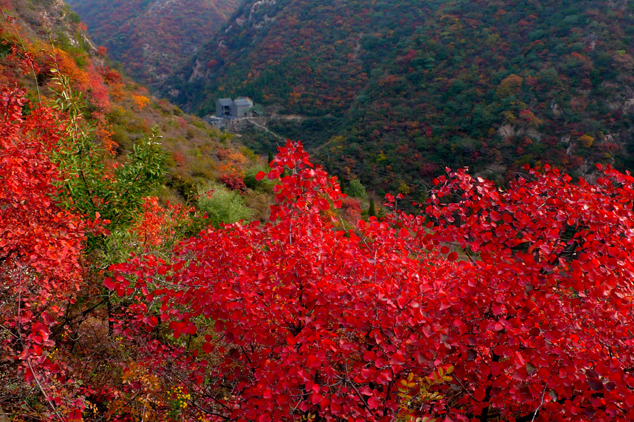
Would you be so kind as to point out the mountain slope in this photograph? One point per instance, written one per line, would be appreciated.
(152, 37)
(411, 87)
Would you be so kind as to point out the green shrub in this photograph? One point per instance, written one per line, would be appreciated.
(199, 124)
(222, 205)
(262, 185)
(356, 189)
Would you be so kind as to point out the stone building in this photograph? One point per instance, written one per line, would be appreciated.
(228, 108)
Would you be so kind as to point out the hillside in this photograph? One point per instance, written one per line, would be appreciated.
(93, 169)
(151, 38)
(143, 276)
(394, 91)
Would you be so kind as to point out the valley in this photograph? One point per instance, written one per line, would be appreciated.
(393, 92)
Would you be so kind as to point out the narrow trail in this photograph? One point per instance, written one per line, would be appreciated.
(266, 129)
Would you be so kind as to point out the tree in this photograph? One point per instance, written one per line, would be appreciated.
(91, 186)
(40, 245)
(372, 209)
(356, 189)
(532, 322)
(509, 86)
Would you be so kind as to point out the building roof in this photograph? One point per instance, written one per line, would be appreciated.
(225, 101)
(242, 101)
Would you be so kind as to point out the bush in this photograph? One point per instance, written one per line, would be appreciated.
(356, 189)
(222, 205)
(233, 182)
(265, 185)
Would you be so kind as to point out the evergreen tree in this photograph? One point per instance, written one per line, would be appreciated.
(270, 157)
(372, 210)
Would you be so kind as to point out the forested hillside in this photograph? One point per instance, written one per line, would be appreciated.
(152, 38)
(394, 91)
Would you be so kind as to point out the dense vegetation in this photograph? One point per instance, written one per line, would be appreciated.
(395, 91)
(92, 169)
(144, 278)
(152, 38)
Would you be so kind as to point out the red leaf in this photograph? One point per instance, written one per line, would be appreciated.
(316, 398)
(28, 375)
(76, 415)
(595, 384)
(108, 283)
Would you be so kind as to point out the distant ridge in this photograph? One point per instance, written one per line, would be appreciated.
(151, 38)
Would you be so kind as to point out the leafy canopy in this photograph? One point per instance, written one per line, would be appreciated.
(533, 322)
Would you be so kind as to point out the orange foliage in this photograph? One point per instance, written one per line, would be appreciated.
(68, 67)
(233, 162)
(158, 224)
(114, 81)
(89, 81)
(140, 101)
(104, 133)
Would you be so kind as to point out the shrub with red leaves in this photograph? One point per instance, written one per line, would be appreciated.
(233, 182)
(529, 317)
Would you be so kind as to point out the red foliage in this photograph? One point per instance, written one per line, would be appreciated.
(110, 76)
(34, 232)
(233, 181)
(179, 158)
(352, 209)
(536, 317)
(429, 169)
(609, 146)
(157, 224)
(40, 244)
